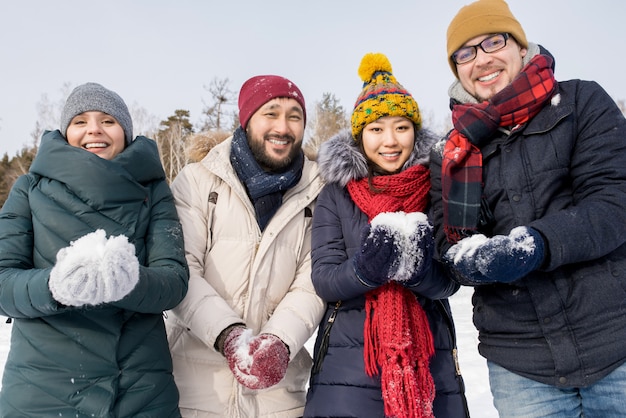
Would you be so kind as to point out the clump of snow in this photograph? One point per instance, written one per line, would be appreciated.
(243, 359)
(466, 248)
(522, 240)
(408, 231)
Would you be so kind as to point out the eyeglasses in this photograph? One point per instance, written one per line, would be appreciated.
(491, 44)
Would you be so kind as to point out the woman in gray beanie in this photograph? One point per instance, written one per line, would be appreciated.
(91, 254)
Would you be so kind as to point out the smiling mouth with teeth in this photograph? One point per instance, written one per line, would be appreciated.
(489, 77)
(278, 142)
(96, 145)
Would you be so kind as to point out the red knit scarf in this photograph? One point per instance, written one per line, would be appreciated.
(398, 341)
(474, 125)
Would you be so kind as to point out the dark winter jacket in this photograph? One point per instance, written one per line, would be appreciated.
(339, 385)
(563, 174)
(110, 360)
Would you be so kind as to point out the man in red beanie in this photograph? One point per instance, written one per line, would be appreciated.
(237, 339)
(529, 202)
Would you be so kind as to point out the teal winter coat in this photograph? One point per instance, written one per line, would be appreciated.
(109, 360)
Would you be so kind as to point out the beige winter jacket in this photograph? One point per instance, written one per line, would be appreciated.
(238, 274)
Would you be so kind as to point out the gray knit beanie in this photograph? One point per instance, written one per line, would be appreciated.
(94, 97)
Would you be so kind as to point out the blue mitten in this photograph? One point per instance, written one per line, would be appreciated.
(506, 258)
(461, 259)
(423, 241)
(413, 238)
(503, 258)
(373, 261)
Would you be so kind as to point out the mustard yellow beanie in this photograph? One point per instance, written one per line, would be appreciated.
(482, 18)
(382, 95)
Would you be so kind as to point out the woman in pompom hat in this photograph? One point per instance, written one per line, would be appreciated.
(386, 344)
(91, 254)
(529, 207)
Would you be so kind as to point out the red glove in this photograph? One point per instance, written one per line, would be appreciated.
(256, 362)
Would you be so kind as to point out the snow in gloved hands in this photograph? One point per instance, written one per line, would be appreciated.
(257, 362)
(412, 236)
(502, 258)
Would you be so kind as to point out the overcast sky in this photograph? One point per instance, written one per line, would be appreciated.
(160, 55)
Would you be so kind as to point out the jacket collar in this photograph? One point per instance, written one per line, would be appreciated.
(340, 159)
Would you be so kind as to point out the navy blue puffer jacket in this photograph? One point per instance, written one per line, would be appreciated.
(339, 385)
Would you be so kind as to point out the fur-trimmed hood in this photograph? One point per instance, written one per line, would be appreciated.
(341, 160)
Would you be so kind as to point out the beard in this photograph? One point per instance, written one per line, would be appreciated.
(257, 146)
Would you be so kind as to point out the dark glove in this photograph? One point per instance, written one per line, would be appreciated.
(378, 251)
(502, 258)
(256, 362)
(418, 251)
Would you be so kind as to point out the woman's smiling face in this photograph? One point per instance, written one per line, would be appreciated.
(388, 142)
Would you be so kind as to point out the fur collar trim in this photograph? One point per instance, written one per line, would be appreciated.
(340, 159)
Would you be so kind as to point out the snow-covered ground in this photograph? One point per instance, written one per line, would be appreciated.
(473, 366)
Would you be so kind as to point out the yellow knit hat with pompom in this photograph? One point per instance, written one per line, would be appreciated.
(382, 95)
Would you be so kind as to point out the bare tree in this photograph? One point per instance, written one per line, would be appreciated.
(144, 123)
(217, 116)
(49, 112)
(329, 118)
(171, 142)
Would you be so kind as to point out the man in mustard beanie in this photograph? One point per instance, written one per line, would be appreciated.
(529, 206)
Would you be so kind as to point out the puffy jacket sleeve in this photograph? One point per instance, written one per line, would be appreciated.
(332, 247)
(163, 278)
(203, 311)
(24, 289)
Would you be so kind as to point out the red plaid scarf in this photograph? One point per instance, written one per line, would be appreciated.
(398, 341)
(474, 125)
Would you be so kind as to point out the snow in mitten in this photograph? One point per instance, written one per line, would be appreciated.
(378, 251)
(74, 280)
(256, 362)
(413, 238)
(119, 269)
(503, 258)
(461, 259)
(506, 258)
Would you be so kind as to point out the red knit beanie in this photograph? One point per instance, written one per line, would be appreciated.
(261, 89)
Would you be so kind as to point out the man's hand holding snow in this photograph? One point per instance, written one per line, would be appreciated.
(395, 246)
(257, 362)
(94, 270)
(502, 258)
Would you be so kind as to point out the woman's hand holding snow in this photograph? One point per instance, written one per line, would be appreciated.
(94, 270)
(373, 261)
(119, 271)
(256, 362)
(395, 246)
(502, 258)
(416, 243)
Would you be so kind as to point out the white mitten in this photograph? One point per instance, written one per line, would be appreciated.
(74, 280)
(119, 269)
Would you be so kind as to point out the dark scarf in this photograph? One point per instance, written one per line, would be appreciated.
(474, 126)
(265, 189)
(398, 341)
